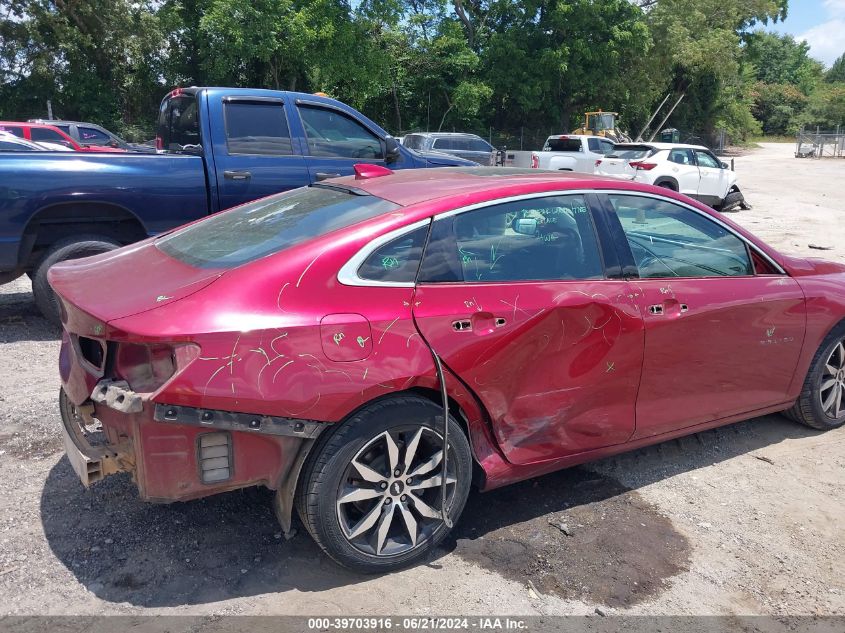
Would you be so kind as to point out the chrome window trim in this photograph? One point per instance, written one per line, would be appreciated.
(707, 216)
(348, 274)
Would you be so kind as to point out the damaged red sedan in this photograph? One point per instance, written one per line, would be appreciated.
(330, 341)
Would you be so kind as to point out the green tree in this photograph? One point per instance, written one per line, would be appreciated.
(779, 59)
(826, 107)
(837, 71)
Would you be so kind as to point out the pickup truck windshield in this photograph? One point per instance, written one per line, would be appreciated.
(246, 233)
(563, 145)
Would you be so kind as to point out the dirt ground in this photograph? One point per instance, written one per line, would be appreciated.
(746, 519)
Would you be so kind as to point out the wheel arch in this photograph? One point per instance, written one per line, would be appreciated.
(462, 407)
(62, 219)
(667, 180)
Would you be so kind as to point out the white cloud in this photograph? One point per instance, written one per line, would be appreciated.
(835, 7)
(826, 40)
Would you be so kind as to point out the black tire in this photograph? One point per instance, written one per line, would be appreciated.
(327, 468)
(667, 184)
(69, 248)
(732, 201)
(808, 409)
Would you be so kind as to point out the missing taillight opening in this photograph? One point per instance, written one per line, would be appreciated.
(147, 367)
(92, 351)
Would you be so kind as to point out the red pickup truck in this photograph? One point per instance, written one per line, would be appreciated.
(40, 133)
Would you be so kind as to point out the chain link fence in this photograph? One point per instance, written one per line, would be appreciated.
(820, 144)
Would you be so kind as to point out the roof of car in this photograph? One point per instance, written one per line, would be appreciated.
(442, 134)
(65, 122)
(411, 186)
(662, 146)
(26, 124)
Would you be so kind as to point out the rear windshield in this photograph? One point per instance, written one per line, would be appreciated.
(251, 231)
(631, 151)
(179, 124)
(562, 145)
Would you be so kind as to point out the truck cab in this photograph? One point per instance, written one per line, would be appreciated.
(571, 152)
(260, 142)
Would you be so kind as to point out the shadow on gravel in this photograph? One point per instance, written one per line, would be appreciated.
(581, 534)
(20, 320)
(619, 551)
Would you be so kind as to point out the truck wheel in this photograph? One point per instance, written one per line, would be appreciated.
(821, 404)
(370, 493)
(63, 250)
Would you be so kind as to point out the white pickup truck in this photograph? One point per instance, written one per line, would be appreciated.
(571, 152)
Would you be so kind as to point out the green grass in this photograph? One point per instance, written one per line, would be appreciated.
(773, 138)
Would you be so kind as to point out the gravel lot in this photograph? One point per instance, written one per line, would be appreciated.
(741, 520)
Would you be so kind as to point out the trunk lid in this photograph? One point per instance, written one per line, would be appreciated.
(616, 167)
(122, 283)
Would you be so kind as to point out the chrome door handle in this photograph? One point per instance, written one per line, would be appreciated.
(655, 309)
(462, 325)
(230, 174)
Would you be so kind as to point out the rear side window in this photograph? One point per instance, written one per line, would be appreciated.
(397, 261)
(562, 145)
(542, 239)
(178, 124)
(251, 231)
(90, 136)
(681, 157)
(333, 133)
(257, 128)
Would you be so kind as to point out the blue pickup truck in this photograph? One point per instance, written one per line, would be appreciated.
(219, 147)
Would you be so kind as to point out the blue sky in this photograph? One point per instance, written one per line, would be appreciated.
(820, 22)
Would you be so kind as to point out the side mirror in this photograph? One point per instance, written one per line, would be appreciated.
(391, 149)
(724, 165)
(525, 226)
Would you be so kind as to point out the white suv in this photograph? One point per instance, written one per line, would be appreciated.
(689, 169)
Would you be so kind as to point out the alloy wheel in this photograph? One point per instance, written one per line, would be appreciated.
(389, 500)
(832, 388)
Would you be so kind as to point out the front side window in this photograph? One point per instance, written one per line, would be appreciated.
(333, 133)
(668, 240)
(251, 231)
(17, 131)
(257, 128)
(706, 160)
(45, 134)
(397, 261)
(414, 141)
(479, 145)
(528, 240)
